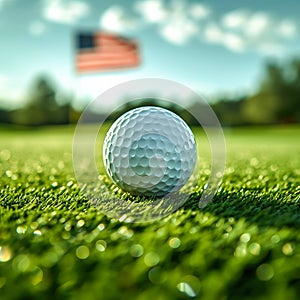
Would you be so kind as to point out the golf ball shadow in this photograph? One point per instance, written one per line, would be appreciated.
(149, 151)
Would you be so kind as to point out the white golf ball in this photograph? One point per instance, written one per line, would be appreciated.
(149, 151)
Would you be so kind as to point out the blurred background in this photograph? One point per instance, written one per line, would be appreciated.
(243, 57)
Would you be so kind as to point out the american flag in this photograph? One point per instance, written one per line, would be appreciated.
(101, 51)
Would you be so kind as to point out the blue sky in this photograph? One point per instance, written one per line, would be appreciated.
(212, 46)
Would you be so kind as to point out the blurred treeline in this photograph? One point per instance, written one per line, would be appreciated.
(43, 106)
(276, 101)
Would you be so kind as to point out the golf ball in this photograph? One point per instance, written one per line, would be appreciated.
(149, 151)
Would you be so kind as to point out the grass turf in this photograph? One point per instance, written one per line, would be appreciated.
(243, 245)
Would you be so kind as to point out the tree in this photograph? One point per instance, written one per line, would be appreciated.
(278, 98)
(262, 109)
(42, 107)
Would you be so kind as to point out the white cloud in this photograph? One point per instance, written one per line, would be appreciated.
(287, 29)
(239, 41)
(180, 21)
(179, 31)
(116, 19)
(233, 41)
(152, 11)
(213, 33)
(171, 22)
(249, 23)
(257, 31)
(199, 11)
(62, 11)
(258, 24)
(235, 19)
(37, 28)
(178, 28)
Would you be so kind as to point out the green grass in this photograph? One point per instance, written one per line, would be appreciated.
(243, 245)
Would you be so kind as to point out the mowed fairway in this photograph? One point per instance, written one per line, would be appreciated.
(243, 245)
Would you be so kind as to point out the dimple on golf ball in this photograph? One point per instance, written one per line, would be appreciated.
(149, 151)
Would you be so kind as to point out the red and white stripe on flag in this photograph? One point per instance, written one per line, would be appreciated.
(102, 52)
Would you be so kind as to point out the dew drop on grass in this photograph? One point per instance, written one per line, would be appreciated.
(228, 229)
(21, 263)
(54, 184)
(82, 252)
(125, 232)
(37, 276)
(5, 254)
(80, 223)
(34, 225)
(194, 230)
(8, 173)
(68, 227)
(288, 249)
(62, 220)
(240, 251)
(101, 245)
(174, 242)
(70, 183)
(66, 235)
(275, 239)
(21, 229)
(37, 232)
(185, 288)
(245, 237)
(151, 259)
(255, 249)
(157, 275)
(190, 285)
(136, 250)
(265, 272)
(101, 227)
